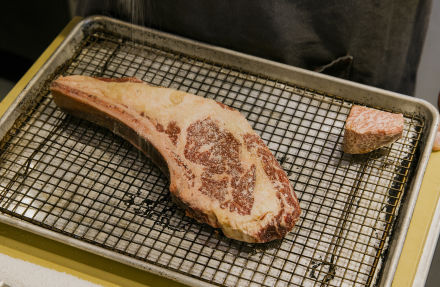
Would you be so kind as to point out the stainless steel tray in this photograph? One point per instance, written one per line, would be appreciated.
(71, 181)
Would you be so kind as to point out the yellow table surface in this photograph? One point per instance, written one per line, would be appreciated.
(51, 254)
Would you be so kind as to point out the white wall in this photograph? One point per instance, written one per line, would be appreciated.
(428, 76)
(428, 88)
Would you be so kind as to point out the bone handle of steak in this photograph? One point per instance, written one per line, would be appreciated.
(87, 112)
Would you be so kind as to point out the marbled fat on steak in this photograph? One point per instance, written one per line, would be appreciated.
(367, 129)
(220, 170)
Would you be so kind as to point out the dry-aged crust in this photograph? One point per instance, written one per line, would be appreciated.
(367, 129)
(220, 171)
(281, 184)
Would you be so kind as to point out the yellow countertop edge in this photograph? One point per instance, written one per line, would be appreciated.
(54, 255)
(26, 246)
(420, 223)
(12, 245)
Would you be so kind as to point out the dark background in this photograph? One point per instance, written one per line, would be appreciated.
(26, 29)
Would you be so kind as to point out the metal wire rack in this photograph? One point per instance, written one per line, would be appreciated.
(78, 179)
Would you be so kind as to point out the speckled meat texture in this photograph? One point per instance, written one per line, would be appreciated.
(368, 129)
(220, 170)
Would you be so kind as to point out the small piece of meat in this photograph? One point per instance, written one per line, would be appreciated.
(436, 146)
(368, 129)
(220, 170)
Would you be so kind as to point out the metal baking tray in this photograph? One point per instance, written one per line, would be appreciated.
(77, 183)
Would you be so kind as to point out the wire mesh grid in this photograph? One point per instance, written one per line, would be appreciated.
(76, 178)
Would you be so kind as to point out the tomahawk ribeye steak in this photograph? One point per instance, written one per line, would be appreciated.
(219, 169)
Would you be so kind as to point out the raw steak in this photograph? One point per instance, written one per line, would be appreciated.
(220, 170)
(368, 129)
(436, 146)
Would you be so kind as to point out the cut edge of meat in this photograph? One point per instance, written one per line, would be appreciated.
(355, 143)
